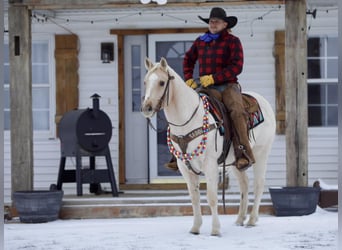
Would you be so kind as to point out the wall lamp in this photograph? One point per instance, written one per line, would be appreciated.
(313, 13)
(160, 2)
(107, 52)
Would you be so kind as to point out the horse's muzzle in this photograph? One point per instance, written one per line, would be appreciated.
(147, 109)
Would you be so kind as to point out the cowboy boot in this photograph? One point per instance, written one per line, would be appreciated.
(172, 164)
(242, 149)
(232, 98)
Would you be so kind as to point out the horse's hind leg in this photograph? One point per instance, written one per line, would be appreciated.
(243, 183)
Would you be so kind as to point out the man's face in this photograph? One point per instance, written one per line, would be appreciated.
(216, 25)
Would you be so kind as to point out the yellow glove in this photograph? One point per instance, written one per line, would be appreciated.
(191, 83)
(207, 80)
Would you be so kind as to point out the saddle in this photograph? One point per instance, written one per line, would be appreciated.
(220, 114)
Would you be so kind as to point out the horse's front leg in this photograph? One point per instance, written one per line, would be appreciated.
(243, 183)
(193, 183)
(212, 182)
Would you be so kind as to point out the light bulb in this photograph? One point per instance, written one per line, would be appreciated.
(145, 1)
(161, 2)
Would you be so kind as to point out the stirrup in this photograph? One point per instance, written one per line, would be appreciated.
(245, 166)
(244, 156)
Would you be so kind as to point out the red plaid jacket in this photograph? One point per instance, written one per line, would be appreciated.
(223, 58)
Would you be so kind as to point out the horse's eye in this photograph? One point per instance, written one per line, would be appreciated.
(161, 83)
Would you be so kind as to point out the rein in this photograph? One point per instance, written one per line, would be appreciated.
(183, 140)
(192, 116)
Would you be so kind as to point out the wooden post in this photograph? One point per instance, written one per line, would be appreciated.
(19, 19)
(340, 116)
(279, 56)
(296, 93)
(2, 125)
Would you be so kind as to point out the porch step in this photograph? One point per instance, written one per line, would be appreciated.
(148, 203)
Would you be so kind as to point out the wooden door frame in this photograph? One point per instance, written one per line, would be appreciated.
(121, 33)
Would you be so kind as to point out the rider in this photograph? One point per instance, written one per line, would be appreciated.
(220, 58)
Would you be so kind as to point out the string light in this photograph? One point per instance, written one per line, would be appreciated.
(37, 16)
(260, 18)
(160, 2)
(43, 18)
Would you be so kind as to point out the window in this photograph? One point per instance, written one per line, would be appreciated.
(136, 77)
(322, 81)
(41, 86)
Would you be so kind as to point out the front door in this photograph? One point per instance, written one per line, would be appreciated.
(172, 47)
(146, 149)
(136, 142)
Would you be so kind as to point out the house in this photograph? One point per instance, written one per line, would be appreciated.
(136, 30)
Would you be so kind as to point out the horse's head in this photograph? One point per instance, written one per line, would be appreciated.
(156, 83)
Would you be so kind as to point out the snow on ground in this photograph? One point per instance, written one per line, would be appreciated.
(316, 231)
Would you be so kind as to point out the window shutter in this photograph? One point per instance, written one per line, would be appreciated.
(279, 54)
(66, 56)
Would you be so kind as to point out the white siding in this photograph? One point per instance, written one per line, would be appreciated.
(257, 37)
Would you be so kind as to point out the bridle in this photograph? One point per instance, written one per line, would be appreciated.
(162, 100)
(165, 93)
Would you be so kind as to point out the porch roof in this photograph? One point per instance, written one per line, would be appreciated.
(105, 4)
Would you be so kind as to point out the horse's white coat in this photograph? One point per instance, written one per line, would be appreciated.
(178, 109)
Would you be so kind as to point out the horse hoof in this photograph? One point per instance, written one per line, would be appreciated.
(240, 224)
(194, 231)
(251, 222)
(216, 234)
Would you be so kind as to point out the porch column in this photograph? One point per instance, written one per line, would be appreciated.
(296, 93)
(19, 23)
(2, 125)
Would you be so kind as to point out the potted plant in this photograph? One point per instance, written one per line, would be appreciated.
(294, 201)
(39, 205)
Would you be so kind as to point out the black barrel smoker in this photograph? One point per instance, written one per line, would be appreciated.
(86, 132)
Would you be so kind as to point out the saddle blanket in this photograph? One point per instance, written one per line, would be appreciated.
(253, 109)
(255, 116)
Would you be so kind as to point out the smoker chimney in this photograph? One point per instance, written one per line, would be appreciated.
(96, 105)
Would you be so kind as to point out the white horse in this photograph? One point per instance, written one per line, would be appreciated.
(185, 111)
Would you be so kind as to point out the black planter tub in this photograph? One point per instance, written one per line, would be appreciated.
(294, 201)
(38, 206)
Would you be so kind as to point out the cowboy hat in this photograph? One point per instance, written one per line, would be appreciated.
(220, 13)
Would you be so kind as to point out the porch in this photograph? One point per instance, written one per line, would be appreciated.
(149, 201)
(153, 200)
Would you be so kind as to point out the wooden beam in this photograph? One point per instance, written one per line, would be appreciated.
(105, 4)
(127, 32)
(19, 19)
(121, 86)
(296, 93)
(279, 56)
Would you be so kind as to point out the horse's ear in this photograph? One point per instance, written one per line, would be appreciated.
(148, 63)
(163, 63)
